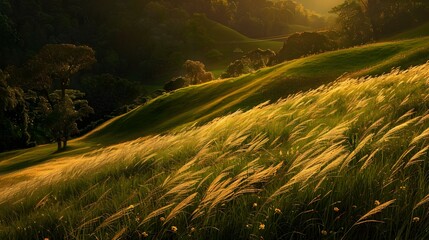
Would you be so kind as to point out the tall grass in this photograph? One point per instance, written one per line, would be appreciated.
(348, 160)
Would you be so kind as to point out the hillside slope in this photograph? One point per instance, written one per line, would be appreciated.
(344, 161)
(201, 104)
(417, 32)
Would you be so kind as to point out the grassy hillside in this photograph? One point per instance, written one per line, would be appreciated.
(205, 102)
(202, 103)
(420, 31)
(345, 161)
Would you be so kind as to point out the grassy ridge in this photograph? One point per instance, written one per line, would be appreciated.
(348, 160)
(202, 103)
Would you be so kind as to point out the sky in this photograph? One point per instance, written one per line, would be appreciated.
(320, 6)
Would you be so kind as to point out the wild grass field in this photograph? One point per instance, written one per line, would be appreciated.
(202, 103)
(345, 161)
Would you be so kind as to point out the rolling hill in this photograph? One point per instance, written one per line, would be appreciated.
(329, 163)
(218, 160)
(201, 104)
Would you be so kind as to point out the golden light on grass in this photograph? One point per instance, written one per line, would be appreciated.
(304, 146)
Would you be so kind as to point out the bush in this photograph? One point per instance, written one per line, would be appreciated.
(302, 44)
(252, 61)
(176, 83)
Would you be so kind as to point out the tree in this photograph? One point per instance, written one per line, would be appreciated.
(52, 67)
(13, 116)
(353, 23)
(195, 72)
(58, 62)
(363, 20)
(61, 118)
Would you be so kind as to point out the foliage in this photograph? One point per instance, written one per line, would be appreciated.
(13, 116)
(106, 93)
(195, 72)
(353, 23)
(176, 83)
(61, 117)
(251, 61)
(303, 44)
(159, 35)
(52, 67)
(363, 20)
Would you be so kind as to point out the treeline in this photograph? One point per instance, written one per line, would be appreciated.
(362, 21)
(257, 18)
(144, 40)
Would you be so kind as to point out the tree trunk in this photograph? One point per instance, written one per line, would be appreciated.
(59, 144)
(63, 91)
(65, 139)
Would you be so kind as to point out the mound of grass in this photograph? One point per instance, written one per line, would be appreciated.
(345, 161)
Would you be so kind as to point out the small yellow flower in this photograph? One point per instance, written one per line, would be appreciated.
(416, 219)
(261, 226)
(173, 228)
(324, 232)
(277, 211)
(162, 219)
(377, 203)
(402, 188)
(255, 205)
(145, 235)
(336, 209)
(193, 229)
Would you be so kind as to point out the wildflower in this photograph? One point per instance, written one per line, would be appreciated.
(277, 211)
(193, 229)
(416, 219)
(247, 225)
(377, 203)
(145, 235)
(162, 219)
(261, 226)
(173, 228)
(336, 209)
(324, 232)
(402, 188)
(255, 205)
